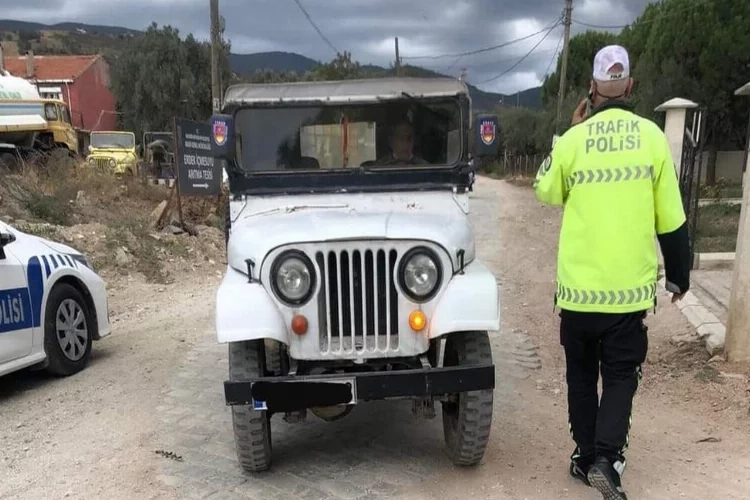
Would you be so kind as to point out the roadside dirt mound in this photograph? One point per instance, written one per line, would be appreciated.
(121, 224)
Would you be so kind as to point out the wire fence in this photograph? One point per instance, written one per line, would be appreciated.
(515, 165)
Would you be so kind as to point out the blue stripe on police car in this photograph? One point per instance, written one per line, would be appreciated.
(15, 310)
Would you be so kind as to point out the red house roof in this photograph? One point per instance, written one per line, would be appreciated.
(51, 68)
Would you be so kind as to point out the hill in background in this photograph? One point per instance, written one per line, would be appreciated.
(18, 37)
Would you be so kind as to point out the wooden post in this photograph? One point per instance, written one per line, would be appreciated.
(176, 138)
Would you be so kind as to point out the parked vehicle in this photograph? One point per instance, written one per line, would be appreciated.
(53, 305)
(113, 151)
(352, 273)
(30, 125)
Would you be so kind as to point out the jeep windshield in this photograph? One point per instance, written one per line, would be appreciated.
(112, 141)
(409, 134)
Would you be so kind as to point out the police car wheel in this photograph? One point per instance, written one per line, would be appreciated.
(467, 418)
(67, 331)
(252, 428)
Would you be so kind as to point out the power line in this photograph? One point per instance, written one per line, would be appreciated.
(648, 21)
(553, 55)
(447, 67)
(325, 39)
(522, 58)
(485, 49)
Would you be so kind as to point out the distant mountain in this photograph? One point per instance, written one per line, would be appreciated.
(86, 38)
(11, 25)
(246, 64)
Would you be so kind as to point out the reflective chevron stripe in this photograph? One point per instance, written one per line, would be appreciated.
(611, 297)
(606, 175)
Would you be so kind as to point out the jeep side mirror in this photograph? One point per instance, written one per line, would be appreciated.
(486, 140)
(222, 137)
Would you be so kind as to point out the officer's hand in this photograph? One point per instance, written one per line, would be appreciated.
(579, 114)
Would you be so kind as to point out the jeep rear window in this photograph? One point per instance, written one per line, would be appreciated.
(402, 135)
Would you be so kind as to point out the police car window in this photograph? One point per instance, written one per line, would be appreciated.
(339, 137)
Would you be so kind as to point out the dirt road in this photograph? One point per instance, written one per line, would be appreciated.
(155, 386)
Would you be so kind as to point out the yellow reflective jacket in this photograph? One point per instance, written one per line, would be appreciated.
(616, 179)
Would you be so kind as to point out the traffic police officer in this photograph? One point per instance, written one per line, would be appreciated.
(614, 174)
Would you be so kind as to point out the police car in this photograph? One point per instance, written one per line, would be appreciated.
(52, 305)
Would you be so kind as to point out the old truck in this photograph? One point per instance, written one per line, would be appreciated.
(352, 270)
(30, 125)
(113, 151)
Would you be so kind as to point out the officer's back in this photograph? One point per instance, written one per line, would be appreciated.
(616, 178)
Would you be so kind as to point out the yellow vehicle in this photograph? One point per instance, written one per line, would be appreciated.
(30, 124)
(113, 151)
(37, 125)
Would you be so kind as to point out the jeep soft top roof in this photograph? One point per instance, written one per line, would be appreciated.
(343, 91)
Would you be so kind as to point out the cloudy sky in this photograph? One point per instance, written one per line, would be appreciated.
(366, 28)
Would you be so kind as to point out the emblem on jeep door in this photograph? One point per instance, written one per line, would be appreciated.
(220, 132)
(488, 132)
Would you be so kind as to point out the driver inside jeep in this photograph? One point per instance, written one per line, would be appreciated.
(401, 143)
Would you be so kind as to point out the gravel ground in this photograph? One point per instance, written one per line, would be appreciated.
(155, 385)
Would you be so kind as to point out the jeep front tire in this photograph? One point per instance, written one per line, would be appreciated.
(252, 428)
(467, 417)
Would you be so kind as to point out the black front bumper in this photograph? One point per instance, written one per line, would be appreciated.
(283, 394)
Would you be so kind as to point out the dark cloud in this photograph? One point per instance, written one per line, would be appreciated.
(364, 27)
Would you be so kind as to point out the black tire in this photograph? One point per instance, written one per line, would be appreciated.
(467, 421)
(73, 359)
(9, 162)
(252, 429)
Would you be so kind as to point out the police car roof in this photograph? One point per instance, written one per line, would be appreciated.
(343, 91)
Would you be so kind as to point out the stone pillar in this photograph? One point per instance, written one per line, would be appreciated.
(737, 346)
(674, 126)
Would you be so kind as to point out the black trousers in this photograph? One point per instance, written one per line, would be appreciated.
(619, 343)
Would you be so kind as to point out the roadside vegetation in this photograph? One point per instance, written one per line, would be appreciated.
(114, 221)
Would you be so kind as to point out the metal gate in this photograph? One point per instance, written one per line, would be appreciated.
(691, 167)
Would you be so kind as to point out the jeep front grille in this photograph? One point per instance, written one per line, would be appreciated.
(102, 163)
(358, 301)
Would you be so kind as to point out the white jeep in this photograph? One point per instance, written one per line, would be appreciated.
(352, 273)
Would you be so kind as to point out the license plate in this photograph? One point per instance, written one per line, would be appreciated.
(350, 381)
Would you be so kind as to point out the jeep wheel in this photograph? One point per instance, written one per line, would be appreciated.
(252, 429)
(468, 417)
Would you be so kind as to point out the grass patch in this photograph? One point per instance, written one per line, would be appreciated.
(718, 225)
(709, 375)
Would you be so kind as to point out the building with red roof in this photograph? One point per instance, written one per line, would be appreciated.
(81, 81)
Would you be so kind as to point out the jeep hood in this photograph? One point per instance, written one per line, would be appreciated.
(436, 217)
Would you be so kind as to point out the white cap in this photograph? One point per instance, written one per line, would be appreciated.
(608, 57)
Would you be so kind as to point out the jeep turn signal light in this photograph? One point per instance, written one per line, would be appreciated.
(417, 321)
(299, 324)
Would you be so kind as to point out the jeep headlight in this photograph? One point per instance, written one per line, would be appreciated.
(293, 277)
(420, 274)
(92, 161)
(112, 163)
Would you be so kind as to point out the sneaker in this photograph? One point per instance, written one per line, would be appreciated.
(579, 472)
(604, 477)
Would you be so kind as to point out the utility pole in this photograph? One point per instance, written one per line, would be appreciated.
(398, 60)
(564, 68)
(215, 54)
